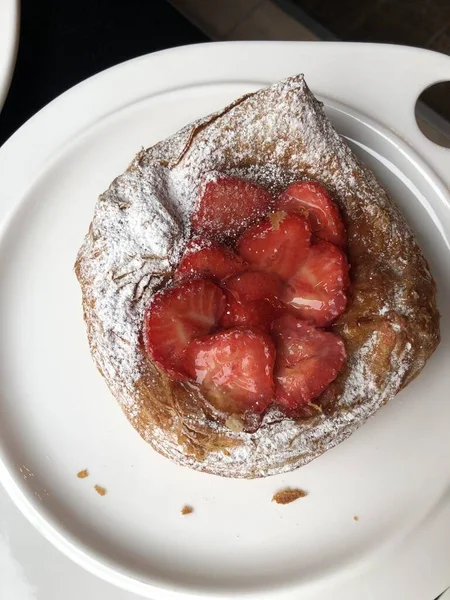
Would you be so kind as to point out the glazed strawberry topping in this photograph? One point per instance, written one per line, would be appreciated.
(277, 243)
(228, 205)
(254, 285)
(235, 312)
(315, 306)
(208, 259)
(234, 369)
(316, 290)
(179, 315)
(257, 313)
(312, 200)
(252, 300)
(308, 360)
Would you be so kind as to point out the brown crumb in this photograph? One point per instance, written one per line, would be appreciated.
(356, 518)
(187, 510)
(83, 474)
(288, 495)
(276, 218)
(101, 491)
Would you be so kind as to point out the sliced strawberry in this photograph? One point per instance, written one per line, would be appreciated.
(315, 306)
(208, 259)
(254, 285)
(252, 300)
(177, 316)
(234, 369)
(308, 360)
(277, 244)
(316, 290)
(324, 267)
(311, 199)
(228, 205)
(258, 314)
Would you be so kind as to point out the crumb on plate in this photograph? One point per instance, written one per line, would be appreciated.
(288, 495)
(101, 491)
(83, 474)
(356, 518)
(187, 510)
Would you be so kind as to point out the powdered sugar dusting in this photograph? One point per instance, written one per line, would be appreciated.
(141, 226)
(360, 379)
(132, 236)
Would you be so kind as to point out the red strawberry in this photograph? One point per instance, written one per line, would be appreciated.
(228, 205)
(209, 260)
(177, 316)
(258, 314)
(308, 360)
(312, 200)
(316, 290)
(252, 300)
(277, 244)
(234, 369)
(254, 285)
(315, 306)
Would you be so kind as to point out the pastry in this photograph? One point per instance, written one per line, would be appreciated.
(251, 293)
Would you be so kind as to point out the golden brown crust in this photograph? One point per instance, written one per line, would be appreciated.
(390, 329)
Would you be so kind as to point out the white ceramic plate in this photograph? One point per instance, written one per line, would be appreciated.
(57, 416)
(9, 29)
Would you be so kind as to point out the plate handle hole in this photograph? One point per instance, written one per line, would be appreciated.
(432, 112)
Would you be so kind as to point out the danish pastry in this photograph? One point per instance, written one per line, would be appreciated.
(251, 293)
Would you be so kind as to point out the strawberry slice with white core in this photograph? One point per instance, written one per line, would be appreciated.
(324, 267)
(308, 360)
(177, 316)
(277, 243)
(234, 369)
(228, 205)
(208, 259)
(316, 290)
(312, 200)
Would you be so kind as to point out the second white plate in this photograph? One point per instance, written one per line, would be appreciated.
(9, 30)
